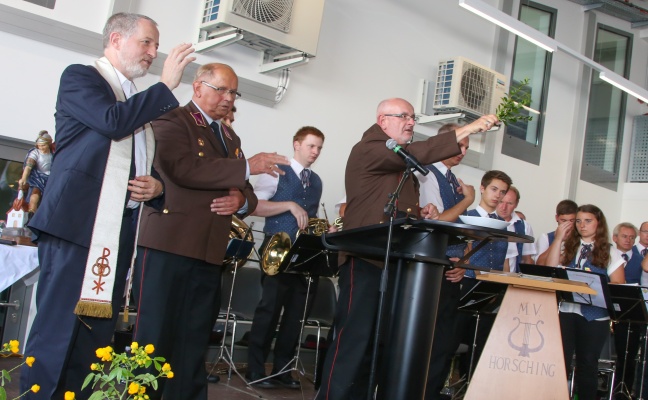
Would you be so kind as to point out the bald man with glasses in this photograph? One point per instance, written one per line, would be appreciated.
(373, 171)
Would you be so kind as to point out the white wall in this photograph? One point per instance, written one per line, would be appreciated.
(368, 50)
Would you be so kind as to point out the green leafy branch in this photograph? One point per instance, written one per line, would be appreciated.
(510, 109)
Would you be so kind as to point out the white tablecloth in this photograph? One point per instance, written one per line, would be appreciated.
(15, 263)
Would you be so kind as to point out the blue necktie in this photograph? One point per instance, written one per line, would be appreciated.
(452, 180)
(644, 251)
(305, 177)
(625, 257)
(584, 253)
(217, 130)
(493, 216)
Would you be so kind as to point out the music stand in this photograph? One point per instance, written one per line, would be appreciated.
(308, 257)
(235, 248)
(483, 298)
(595, 281)
(629, 301)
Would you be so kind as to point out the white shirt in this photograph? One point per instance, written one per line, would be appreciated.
(429, 190)
(528, 249)
(266, 186)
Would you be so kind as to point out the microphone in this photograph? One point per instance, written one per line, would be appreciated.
(409, 159)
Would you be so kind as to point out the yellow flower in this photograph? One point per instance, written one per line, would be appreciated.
(30, 361)
(69, 396)
(14, 346)
(142, 390)
(94, 367)
(100, 352)
(35, 388)
(170, 374)
(105, 353)
(134, 346)
(133, 388)
(149, 349)
(166, 367)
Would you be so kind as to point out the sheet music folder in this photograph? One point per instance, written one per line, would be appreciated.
(308, 256)
(593, 280)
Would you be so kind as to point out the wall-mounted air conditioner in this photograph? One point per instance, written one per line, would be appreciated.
(274, 27)
(467, 87)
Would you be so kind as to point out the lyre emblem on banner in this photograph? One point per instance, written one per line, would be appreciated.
(525, 337)
(101, 268)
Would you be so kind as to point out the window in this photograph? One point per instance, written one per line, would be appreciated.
(606, 110)
(523, 140)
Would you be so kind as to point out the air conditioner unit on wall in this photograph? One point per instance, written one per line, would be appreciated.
(467, 87)
(275, 27)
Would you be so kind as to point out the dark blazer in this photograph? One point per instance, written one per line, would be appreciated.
(88, 118)
(195, 170)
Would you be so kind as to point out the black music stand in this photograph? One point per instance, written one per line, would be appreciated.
(308, 257)
(421, 246)
(483, 298)
(235, 248)
(629, 301)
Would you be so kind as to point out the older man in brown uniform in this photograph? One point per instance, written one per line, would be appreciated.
(372, 172)
(181, 247)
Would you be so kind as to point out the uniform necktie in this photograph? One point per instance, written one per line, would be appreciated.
(217, 130)
(584, 253)
(644, 251)
(305, 177)
(452, 180)
(492, 215)
(625, 257)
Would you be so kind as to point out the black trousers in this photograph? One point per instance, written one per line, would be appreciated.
(63, 343)
(175, 297)
(445, 340)
(585, 339)
(348, 359)
(282, 291)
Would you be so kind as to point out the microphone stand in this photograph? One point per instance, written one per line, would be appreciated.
(390, 211)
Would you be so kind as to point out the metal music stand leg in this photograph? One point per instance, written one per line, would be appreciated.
(298, 366)
(224, 354)
(472, 360)
(622, 388)
(643, 362)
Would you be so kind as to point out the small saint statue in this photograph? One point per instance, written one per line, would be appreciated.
(36, 170)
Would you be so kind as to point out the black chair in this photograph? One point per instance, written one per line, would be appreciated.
(322, 313)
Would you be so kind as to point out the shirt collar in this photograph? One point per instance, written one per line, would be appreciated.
(484, 213)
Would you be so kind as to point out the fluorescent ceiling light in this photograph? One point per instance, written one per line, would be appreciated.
(509, 23)
(625, 85)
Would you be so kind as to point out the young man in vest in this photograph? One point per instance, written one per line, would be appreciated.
(287, 203)
(452, 197)
(565, 217)
(506, 210)
(624, 236)
(494, 255)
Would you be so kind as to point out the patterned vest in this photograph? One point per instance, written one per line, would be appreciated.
(449, 199)
(633, 267)
(591, 312)
(491, 255)
(290, 188)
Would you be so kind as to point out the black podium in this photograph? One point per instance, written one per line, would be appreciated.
(420, 247)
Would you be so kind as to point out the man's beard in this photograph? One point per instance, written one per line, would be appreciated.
(133, 69)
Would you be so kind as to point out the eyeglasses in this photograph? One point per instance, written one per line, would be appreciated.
(404, 116)
(223, 91)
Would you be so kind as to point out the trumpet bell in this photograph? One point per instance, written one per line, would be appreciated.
(237, 230)
(274, 253)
